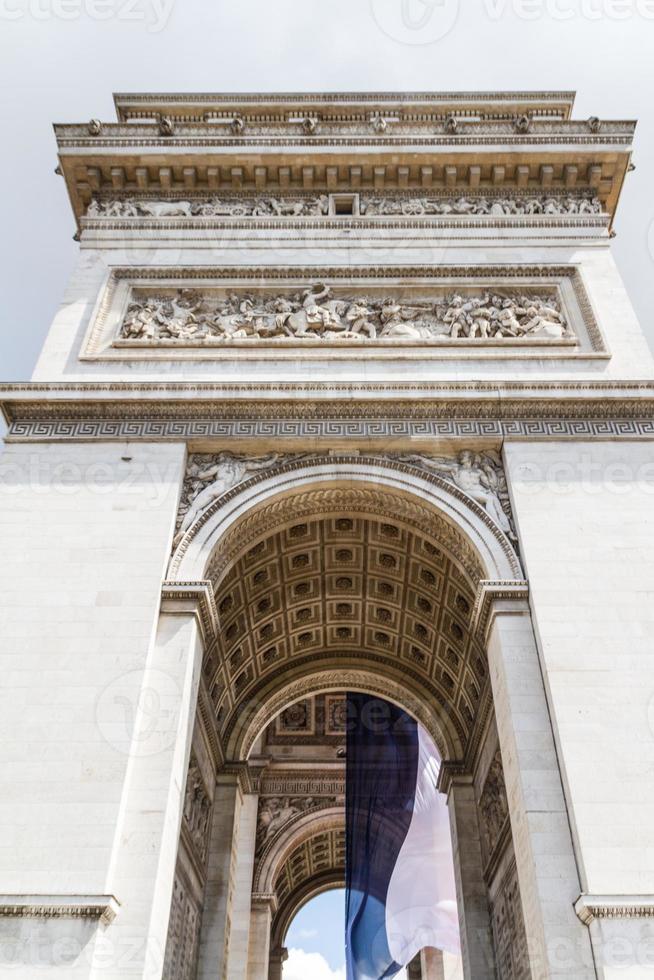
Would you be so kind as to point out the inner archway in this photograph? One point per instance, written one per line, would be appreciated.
(314, 941)
(350, 577)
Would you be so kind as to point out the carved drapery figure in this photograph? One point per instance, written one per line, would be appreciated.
(275, 812)
(479, 475)
(197, 810)
(316, 314)
(210, 476)
(493, 806)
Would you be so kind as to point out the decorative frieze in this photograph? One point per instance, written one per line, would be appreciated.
(435, 311)
(591, 907)
(213, 207)
(471, 206)
(323, 205)
(320, 313)
(293, 782)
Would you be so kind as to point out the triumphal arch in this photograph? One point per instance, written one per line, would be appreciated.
(345, 394)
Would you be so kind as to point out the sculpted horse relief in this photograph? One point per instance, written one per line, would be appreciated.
(317, 314)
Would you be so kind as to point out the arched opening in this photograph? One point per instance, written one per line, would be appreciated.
(314, 940)
(352, 576)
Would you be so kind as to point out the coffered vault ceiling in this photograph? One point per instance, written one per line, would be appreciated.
(344, 591)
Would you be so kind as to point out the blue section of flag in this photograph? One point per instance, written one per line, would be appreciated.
(381, 774)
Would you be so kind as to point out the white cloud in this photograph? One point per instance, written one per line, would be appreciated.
(303, 934)
(310, 966)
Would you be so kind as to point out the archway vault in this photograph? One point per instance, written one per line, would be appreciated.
(316, 865)
(342, 573)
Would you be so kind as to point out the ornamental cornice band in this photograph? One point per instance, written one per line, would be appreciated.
(353, 431)
(592, 907)
(102, 907)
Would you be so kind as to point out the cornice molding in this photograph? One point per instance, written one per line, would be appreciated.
(101, 907)
(196, 598)
(592, 907)
(344, 142)
(488, 594)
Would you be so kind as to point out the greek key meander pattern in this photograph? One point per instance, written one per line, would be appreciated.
(34, 430)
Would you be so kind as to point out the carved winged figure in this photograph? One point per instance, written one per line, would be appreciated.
(204, 484)
(477, 475)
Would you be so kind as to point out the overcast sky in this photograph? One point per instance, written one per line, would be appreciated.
(65, 68)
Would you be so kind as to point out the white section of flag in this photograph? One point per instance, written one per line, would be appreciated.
(421, 908)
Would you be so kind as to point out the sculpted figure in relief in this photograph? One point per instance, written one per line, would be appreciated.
(479, 475)
(275, 812)
(260, 207)
(207, 478)
(316, 314)
(317, 206)
(371, 206)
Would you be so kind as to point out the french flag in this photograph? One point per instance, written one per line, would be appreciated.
(400, 891)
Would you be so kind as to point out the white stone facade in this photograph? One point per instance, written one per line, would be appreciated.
(509, 459)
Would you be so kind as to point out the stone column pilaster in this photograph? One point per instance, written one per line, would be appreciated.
(241, 903)
(278, 957)
(472, 893)
(261, 915)
(216, 914)
(414, 969)
(431, 963)
(147, 835)
(558, 944)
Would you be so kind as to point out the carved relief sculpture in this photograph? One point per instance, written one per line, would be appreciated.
(262, 207)
(183, 935)
(479, 475)
(493, 806)
(509, 937)
(276, 812)
(197, 810)
(316, 314)
(318, 206)
(210, 476)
